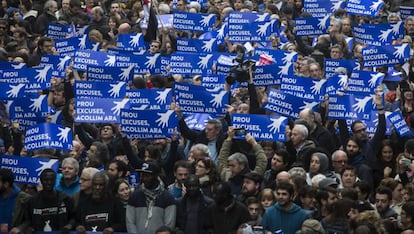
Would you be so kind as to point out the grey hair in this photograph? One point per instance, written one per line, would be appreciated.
(217, 123)
(90, 171)
(201, 147)
(72, 161)
(103, 175)
(297, 171)
(303, 130)
(240, 158)
(48, 4)
(334, 154)
(99, 9)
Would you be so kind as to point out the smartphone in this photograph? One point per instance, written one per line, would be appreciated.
(240, 132)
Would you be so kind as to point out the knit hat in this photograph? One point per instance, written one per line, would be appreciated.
(314, 225)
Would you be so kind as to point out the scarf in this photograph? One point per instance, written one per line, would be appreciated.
(150, 197)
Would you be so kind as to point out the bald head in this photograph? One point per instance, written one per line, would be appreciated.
(282, 176)
(124, 28)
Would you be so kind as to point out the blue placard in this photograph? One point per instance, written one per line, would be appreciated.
(57, 31)
(399, 123)
(266, 75)
(148, 124)
(406, 11)
(378, 34)
(10, 66)
(100, 110)
(219, 34)
(311, 26)
(321, 8)
(196, 45)
(58, 64)
(67, 46)
(304, 87)
(48, 135)
(149, 99)
(197, 99)
(256, 31)
(11, 91)
(236, 17)
(364, 7)
(143, 63)
(197, 121)
(350, 106)
(331, 65)
(375, 56)
(287, 104)
(191, 63)
(83, 58)
(213, 81)
(364, 81)
(279, 57)
(262, 127)
(102, 73)
(29, 108)
(26, 170)
(165, 21)
(131, 42)
(194, 21)
(336, 83)
(91, 89)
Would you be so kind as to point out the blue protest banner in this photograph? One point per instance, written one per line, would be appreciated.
(148, 124)
(83, 58)
(191, 63)
(58, 64)
(26, 170)
(57, 31)
(193, 21)
(364, 7)
(39, 79)
(15, 76)
(266, 75)
(11, 91)
(91, 89)
(225, 62)
(206, 102)
(131, 42)
(197, 121)
(10, 66)
(304, 87)
(321, 8)
(149, 99)
(311, 26)
(237, 17)
(261, 127)
(102, 73)
(165, 21)
(378, 34)
(279, 57)
(219, 34)
(399, 123)
(101, 110)
(287, 104)
(336, 83)
(46, 136)
(196, 45)
(406, 11)
(350, 106)
(333, 65)
(256, 31)
(372, 123)
(29, 108)
(213, 81)
(375, 56)
(364, 81)
(393, 75)
(143, 63)
(67, 46)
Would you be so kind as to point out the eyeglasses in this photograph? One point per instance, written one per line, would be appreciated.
(84, 179)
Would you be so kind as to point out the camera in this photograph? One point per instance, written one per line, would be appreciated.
(240, 72)
(240, 132)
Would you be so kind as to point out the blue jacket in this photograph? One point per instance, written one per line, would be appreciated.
(69, 190)
(289, 221)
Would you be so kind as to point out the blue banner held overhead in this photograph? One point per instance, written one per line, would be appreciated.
(399, 123)
(100, 110)
(236, 17)
(304, 87)
(131, 42)
(196, 45)
(58, 64)
(311, 26)
(378, 34)
(194, 21)
(67, 46)
(364, 81)
(91, 89)
(364, 7)
(406, 11)
(280, 57)
(206, 102)
(336, 83)
(321, 8)
(148, 124)
(375, 56)
(10, 66)
(57, 31)
(256, 31)
(102, 73)
(213, 81)
(46, 136)
(29, 108)
(287, 104)
(262, 127)
(26, 170)
(197, 121)
(351, 106)
(165, 21)
(149, 99)
(11, 91)
(83, 58)
(332, 66)
(191, 63)
(267, 75)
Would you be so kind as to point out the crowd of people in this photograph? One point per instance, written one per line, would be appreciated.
(326, 177)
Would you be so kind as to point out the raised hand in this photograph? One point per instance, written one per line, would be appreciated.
(118, 106)
(361, 103)
(208, 45)
(317, 85)
(110, 61)
(205, 21)
(276, 123)
(203, 63)
(262, 31)
(125, 73)
(41, 74)
(134, 42)
(37, 103)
